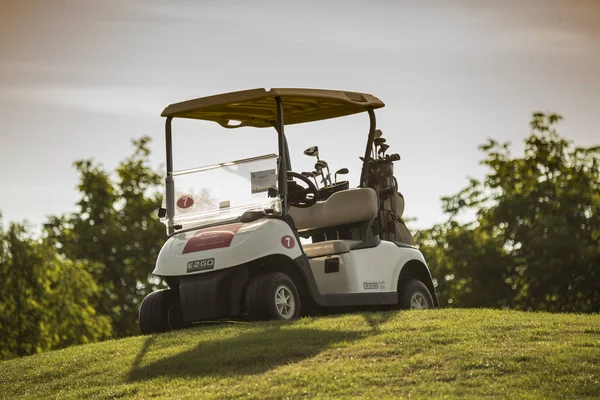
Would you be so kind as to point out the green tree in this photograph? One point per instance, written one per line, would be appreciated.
(116, 226)
(470, 265)
(46, 299)
(535, 242)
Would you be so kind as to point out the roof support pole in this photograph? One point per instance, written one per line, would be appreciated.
(372, 127)
(283, 157)
(169, 184)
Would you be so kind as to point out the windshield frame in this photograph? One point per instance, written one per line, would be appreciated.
(223, 164)
(283, 165)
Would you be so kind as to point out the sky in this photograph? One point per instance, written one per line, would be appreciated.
(81, 79)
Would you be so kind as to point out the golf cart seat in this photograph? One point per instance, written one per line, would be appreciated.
(342, 208)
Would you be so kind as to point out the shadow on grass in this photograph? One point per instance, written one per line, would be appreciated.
(376, 319)
(249, 353)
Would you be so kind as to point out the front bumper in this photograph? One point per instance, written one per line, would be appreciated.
(212, 295)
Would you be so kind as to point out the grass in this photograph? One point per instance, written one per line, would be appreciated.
(430, 354)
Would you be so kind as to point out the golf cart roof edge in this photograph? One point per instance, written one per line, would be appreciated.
(257, 107)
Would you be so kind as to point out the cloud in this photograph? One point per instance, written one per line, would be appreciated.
(128, 101)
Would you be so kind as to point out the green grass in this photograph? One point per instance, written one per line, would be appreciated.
(439, 354)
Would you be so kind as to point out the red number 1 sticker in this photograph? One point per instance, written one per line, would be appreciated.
(185, 201)
(288, 242)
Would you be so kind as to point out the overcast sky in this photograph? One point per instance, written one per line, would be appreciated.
(80, 79)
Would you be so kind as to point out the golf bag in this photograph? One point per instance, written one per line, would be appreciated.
(391, 209)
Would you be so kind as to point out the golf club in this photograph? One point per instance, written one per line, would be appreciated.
(383, 148)
(319, 166)
(341, 171)
(312, 152)
(378, 141)
(311, 175)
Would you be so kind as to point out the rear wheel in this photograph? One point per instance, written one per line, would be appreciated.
(272, 296)
(160, 311)
(414, 295)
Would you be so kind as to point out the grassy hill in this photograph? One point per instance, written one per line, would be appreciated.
(442, 353)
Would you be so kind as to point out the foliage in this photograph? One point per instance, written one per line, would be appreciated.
(535, 241)
(116, 227)
(534, 244)
(461, 353)
(46, 299)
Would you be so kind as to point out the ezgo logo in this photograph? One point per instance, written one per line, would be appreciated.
(201, 265)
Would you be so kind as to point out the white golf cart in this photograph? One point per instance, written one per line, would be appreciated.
(234, 247)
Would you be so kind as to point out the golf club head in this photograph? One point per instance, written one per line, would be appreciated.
(383, 148)
(341, 171)
(312, 151)
(319, 165)
(379, 141)
(378, 133)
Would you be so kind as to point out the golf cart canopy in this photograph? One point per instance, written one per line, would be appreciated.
(258, 107)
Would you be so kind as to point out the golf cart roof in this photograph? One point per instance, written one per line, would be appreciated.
(257, 107)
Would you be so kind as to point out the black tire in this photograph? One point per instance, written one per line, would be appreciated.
(414, 293)
(160, 311)
(260, 298)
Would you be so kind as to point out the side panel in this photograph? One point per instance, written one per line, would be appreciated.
(212, 249)
(329, 281)
(370, 270)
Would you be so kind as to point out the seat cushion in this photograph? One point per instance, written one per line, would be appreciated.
(344, 207)
(329, 247)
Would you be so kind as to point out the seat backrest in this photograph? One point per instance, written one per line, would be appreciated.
(344, 207)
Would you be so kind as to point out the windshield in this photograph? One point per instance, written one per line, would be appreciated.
(224, 191)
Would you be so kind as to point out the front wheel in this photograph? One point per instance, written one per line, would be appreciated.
(272, 296)
(414, 295)
(160, 311)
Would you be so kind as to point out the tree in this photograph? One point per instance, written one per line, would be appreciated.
(46, 299)
(116, 227)
(469, 264)
(535, 242)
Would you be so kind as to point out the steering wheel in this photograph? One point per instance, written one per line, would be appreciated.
(299, 196)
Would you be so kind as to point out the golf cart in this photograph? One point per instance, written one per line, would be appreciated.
(234, 247)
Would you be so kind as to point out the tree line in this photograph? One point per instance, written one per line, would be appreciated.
(534, 244)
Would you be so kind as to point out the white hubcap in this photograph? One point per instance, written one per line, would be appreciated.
(284, 301)
(418, 302)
